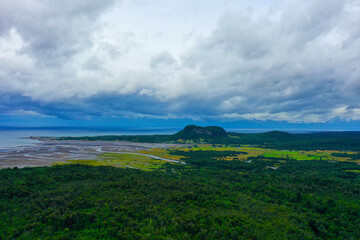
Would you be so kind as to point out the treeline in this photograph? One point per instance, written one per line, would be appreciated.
(352, 156)
(302, 141)
(129, 138)
(278, 140)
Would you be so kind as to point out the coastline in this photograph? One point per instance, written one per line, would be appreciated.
(48, 151)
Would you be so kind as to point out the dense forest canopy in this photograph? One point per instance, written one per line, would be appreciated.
(205, 199)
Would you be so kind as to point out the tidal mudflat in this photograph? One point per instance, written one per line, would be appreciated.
(47, 152)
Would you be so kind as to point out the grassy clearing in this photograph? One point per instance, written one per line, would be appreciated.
(272, 153)
(161, 152)
(123, 160)
(148, 163)
(298, 155)
(251, 151)
(354, 171)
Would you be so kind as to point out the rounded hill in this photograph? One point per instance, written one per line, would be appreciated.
(193, 131)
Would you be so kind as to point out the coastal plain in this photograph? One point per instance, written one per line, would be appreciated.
(48, 152)
(145, 156)
(216, 186)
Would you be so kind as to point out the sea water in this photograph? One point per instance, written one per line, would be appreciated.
(10, 138)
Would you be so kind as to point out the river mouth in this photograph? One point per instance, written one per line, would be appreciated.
(47, 152)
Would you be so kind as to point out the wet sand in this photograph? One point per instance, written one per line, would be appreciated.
(47, 152)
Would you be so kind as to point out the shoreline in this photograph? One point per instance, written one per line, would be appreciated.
(47, 152)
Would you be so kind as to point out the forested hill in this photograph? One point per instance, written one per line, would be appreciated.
(217, 135)
(301, 141)
(196, 132)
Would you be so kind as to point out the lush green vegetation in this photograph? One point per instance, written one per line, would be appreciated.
(236, 186)
(275, 139)
(130, 160)
(352, 156)
(205, 199)
(244, 152)
(305, 141)
(192, 132)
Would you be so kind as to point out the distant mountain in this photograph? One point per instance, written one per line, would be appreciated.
(193, 132)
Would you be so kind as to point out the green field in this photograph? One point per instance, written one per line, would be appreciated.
(124, 160)
(131, 160)
(298, 155)
(354, 171)
(273, 153)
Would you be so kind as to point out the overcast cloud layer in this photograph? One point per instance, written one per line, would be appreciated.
(295, 61)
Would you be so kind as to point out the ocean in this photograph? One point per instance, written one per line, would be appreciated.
(14, 137)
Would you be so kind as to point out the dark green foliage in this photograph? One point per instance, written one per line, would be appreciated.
(303, 141)
(208, 199)
(130, 138)
(195, 132)
(217, 131)
(351, 156)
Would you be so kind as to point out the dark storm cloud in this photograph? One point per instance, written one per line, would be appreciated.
(297, 63)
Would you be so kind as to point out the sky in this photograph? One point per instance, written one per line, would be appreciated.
(240, 64)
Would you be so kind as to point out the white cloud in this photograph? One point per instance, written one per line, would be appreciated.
(295, 61)
(22, 112)
(12, 58)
